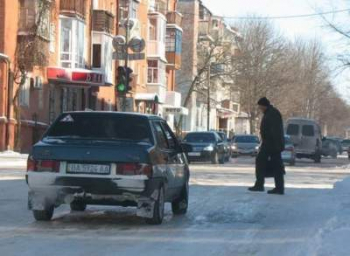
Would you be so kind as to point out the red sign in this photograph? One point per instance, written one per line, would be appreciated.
(82, 77)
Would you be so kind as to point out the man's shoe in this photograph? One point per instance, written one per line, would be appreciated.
(256, 189)
(275, 191)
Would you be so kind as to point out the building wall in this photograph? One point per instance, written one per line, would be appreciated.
(184, 77)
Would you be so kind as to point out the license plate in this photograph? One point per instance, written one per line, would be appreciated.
(88, 168)
(286, 155)
(194, 153)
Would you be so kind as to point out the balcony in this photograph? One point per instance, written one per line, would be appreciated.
(73, 7)
(156, 49)
(103, 21)
(204, 29)
(173, 47)
(174, 18)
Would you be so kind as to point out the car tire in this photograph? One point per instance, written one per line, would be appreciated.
(215, 158)
(222, 160)
(292, 163)
(77, 206)
(334, 154)
(44, 215)
(317, 158)
(180, 205)
(158, 210)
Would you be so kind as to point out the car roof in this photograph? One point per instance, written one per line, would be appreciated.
(245, 135)
(301, 119)
(116, 113)
(210, 132)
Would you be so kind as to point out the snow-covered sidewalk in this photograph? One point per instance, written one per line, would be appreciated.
(11, 159)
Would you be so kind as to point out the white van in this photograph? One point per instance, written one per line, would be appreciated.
(306, 137)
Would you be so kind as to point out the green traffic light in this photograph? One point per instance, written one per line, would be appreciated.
(121, 87)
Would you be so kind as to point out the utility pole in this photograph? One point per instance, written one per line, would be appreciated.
(208, 97)
(126, 59)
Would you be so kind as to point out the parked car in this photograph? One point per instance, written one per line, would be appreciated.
(337, 142)
(108, 158)
(245, 145)
(206, 146)
(288, 155)
(227, 145)
(345, 144)
(329, 148)
(306, 136)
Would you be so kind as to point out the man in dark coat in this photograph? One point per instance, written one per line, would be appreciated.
(269, 158)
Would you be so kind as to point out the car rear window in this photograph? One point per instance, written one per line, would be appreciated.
(101, 127)
(308, 130)
(200, 137)
(293, 129)
(345, 142)
(246, 139)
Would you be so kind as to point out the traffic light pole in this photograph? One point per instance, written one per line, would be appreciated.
(126, 60)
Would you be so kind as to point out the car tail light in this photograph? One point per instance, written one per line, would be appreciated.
(291, 149)
(31, 164)
(42, 165)
(134, 169)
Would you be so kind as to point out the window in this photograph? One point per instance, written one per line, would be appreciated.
(156, 72)
(29, 10)
(52, 37)
(200, 137)
(103, 127)
(161, 139)
(293, 129)
(72, 43)
(102, 48)
(96, 55)
(153, 29)
(170, 136)
(124, 9)
(308, 130)
(246, 139)
(24, 93)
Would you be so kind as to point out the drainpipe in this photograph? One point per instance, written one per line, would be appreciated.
(6, 59)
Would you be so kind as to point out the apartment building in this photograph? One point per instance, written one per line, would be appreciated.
(160, 24)
(204, 31)
(61, 58)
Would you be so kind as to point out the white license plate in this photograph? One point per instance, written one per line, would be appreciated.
(194, 153)
(88, 168)
(286, 155)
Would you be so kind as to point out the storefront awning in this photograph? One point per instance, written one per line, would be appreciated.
(168, 109)
(81, 77)
(147, 97)
(225, 112)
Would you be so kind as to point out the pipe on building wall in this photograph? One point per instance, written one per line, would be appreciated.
(7, 60)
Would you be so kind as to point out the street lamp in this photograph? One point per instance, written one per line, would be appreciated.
(5, 58)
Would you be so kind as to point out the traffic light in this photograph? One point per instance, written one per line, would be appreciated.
(124, 79)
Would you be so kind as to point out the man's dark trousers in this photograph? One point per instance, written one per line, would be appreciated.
(263, 167)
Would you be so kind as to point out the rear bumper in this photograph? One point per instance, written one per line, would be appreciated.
(238, 152)
(47, 189)
(203, 156)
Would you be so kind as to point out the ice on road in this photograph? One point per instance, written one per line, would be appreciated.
(223, 218)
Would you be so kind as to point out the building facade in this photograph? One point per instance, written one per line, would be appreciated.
(61, 54)
(61, 60)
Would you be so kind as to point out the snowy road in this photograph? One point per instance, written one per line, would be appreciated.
(223, 219)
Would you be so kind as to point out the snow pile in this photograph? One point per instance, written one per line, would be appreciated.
(12, 154)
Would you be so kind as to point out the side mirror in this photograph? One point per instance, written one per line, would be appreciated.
(186, 148)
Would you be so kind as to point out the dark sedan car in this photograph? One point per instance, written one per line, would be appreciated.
(108, 158)
(245, 145)
(206, 146)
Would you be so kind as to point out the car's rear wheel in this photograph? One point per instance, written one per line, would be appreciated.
(158, 210)
(215, 158)
(78, 206)
(180, 205)
(44, 215)
(317, 158)
(222, 160)
(292, 163)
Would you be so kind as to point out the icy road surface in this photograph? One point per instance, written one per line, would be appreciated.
(313, 218)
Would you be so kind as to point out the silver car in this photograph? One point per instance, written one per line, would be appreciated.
(245, 145)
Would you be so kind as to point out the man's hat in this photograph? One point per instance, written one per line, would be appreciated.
(264, 102)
